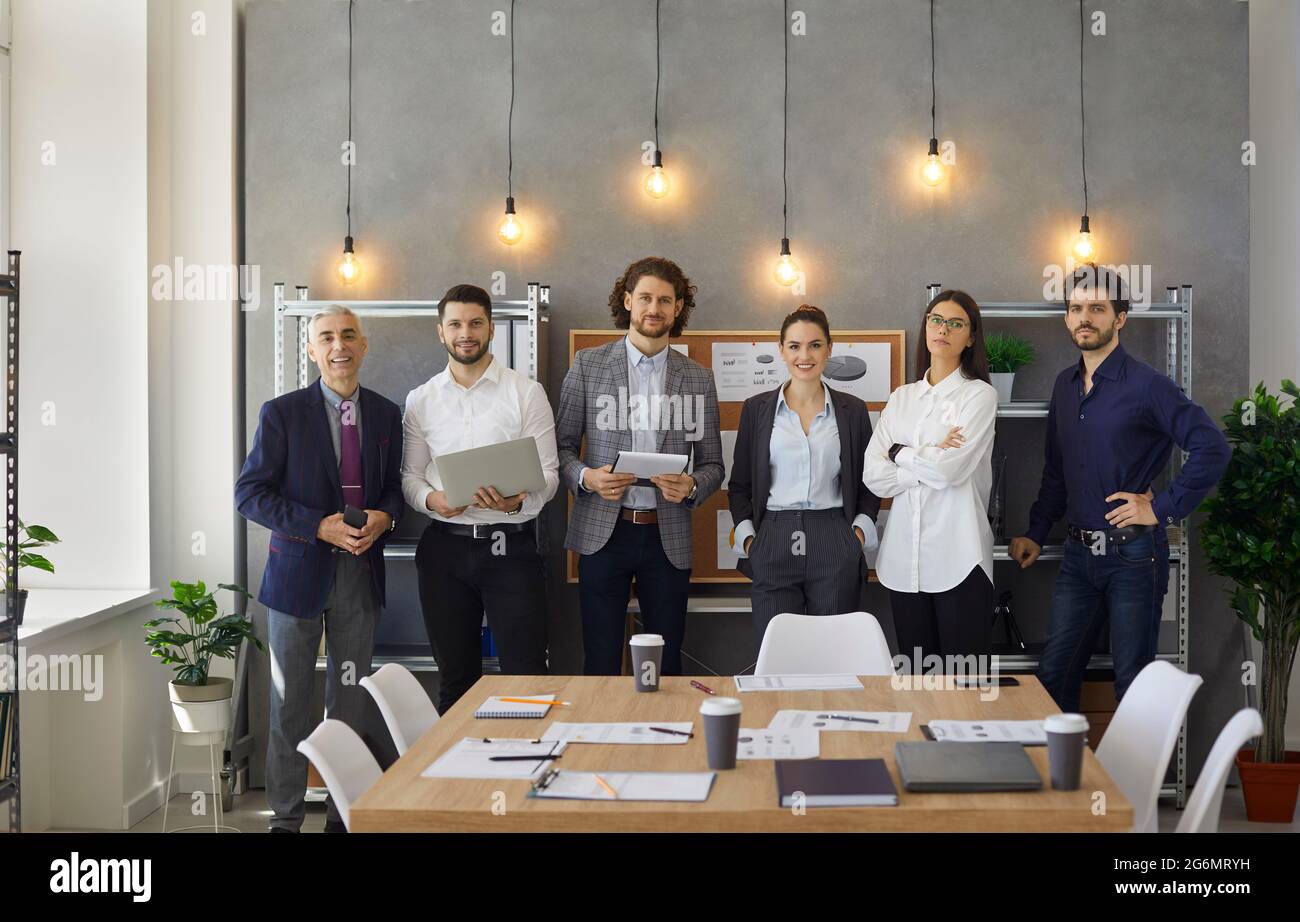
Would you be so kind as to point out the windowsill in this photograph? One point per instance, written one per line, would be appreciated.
(54, 613)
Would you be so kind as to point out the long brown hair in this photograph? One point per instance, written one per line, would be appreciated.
(666, 271)
(974, 358)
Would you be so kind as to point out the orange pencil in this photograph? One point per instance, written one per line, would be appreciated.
(604, 784)
(558, 704)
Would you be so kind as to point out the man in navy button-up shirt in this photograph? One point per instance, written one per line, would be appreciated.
(1111, 427)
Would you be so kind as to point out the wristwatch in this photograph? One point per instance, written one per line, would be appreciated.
(894, 450)
(695, 488)
(518, 509)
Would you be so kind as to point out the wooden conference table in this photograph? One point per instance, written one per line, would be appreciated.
(741, 800)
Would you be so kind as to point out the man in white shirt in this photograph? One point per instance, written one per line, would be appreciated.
(482, 558)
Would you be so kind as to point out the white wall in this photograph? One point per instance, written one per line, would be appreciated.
(78, 94)
(1275, 213)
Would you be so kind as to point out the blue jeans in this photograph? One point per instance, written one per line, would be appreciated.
(1128, 584)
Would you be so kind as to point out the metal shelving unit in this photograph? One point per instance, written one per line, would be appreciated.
(1176, 312)
(530, 359)
(11, 785)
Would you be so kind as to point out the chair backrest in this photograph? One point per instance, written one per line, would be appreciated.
(344, 762)
(824, 644)
(1202, 813)
(406, 708)
(1140, 738)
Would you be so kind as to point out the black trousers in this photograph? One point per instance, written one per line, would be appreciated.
(955, 622)
(605, 584)
(461, 579)
(806, 562)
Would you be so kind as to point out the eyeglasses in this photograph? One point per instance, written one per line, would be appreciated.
(955, 324)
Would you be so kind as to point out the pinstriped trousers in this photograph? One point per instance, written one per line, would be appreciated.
(806, 562)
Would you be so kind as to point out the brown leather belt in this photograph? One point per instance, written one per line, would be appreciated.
(641, 516)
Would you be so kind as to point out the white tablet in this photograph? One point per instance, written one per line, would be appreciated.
(647, 464)
(511, 467)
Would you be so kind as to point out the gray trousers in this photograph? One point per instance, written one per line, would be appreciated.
(349, 618)
(806, 562)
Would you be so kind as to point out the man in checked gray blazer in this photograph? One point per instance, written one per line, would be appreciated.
(636, 394)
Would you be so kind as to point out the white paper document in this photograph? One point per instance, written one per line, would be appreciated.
(751, 683)
(471, 758)
(618, 732)
(804, 743)
(1028, 732)
(682, 786)
(840, 719)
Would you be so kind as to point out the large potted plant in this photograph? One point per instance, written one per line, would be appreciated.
(1251, 535)
(30, 537)
(200, 702)
(1007, 353)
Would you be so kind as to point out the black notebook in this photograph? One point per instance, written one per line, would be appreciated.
(835, 783)
(956, 767)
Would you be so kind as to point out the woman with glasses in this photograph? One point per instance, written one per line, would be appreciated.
(931, 452)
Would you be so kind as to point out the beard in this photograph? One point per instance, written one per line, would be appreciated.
(663, 329)
(467, 359)
(1103, 339)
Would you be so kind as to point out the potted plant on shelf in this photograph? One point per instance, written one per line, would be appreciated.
(1251, 535)
(1007, 353)
(30, 537)
(200, 702)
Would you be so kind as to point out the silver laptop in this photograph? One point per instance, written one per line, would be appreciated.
(511, 467)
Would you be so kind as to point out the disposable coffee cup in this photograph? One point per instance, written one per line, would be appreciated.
(1066, 735)
(721, 718)
(647, 658)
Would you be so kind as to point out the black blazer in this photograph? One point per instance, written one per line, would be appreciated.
(751, 468)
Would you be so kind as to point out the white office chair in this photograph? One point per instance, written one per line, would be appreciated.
(343, 761)
(1136, 748)
(407, 710)
(851, 644)
(1202, 812)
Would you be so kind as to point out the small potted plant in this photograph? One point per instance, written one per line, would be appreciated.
(1006, 353)
(1251, 535)
(30, 537)
(200, 702)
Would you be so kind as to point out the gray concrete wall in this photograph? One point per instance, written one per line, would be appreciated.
(1167, 112)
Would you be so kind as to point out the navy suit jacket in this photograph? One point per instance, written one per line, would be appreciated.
(290, 482)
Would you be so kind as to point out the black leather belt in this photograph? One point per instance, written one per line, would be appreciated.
(484, 530)
(1113, 535)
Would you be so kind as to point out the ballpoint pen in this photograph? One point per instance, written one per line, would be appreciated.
(507, 739)
(674, 732)
(861, 720)
(703, 688)
(541, 758)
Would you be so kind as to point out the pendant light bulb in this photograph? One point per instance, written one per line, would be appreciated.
(932, 172)
(1084, 247)
(656, 180)
(786, 270)
(349, 268)
(511, 229)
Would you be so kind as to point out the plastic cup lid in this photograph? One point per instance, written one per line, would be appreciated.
(1065, 723)
(720, 707)
(647, 640)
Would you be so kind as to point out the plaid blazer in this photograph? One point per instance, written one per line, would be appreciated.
(593, 404)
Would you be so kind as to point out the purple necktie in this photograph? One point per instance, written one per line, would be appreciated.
(354, 493)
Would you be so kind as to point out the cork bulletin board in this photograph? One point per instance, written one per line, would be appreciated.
(868, 363)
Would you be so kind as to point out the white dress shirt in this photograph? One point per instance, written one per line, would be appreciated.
(645, 378)
(442, 417)
(805, 469)
(937, 530)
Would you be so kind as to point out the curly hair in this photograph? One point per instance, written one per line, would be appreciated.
(663, 269)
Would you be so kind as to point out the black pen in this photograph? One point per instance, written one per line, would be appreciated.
(540, 758)
(509, 739)
(861, 720)
(674, 732)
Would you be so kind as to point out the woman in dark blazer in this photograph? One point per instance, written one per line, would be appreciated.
(803, 519)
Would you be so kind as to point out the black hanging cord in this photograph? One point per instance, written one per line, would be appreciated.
(351, 152)
(656, 76)
(932, 93)
(1083, 133)
(510, 119)
(785, 122)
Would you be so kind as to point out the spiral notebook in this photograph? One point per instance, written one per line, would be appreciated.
(495, 707)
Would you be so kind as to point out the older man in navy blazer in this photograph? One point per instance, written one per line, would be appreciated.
(317, 450)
